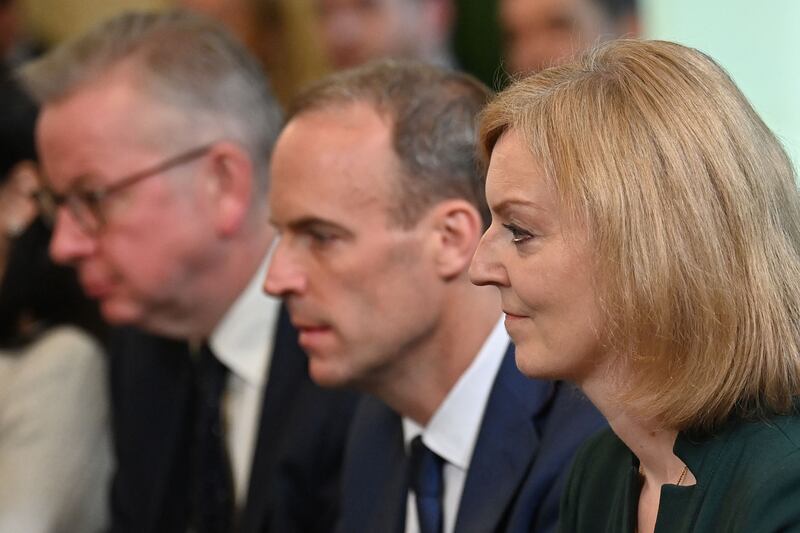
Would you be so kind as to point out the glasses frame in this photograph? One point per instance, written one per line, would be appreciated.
(84, 205)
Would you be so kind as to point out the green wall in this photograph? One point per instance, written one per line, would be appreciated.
(757, 42)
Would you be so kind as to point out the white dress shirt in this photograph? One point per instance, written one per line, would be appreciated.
(243, 342)
(454, 427)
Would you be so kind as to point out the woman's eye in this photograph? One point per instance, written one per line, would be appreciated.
(518, 236)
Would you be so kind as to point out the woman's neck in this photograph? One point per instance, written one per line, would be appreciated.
(646, 438)
(650, 442)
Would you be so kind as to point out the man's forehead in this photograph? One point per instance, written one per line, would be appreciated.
(338, 137)
(335, 196)
(333, 160)
(101, 130)
(117, 104)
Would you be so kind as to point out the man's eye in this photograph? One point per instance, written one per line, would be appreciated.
(321, 237)
(518, 236)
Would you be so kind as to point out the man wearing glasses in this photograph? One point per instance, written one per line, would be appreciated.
(154, 138)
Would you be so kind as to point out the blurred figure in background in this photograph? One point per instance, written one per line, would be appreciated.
(356, 31)
(280, 33)
(55, 445)
(544, 33)
(17, 110)
(155, 135)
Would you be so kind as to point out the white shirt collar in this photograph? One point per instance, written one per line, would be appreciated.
(243, 339)
(453, 429)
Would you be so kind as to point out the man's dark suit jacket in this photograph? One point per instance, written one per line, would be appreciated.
(528, 436)
(295, 472)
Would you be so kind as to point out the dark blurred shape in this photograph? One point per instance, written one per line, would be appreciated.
(17, 111)
(36, 294)
(17, 119)
(478, 41)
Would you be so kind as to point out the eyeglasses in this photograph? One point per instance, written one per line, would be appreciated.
(85, 204)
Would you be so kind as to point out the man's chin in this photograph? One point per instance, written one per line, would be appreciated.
(121, 313)
(327, 375)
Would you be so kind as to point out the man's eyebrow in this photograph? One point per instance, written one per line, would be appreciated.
(312, 222)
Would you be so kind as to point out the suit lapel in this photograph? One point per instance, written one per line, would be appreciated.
(391, 515)
(375, 483)
(286, 369)
(177, 429)
(152, 387)
(507, 443)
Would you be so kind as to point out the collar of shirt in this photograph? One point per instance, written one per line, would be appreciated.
(453, 429)
(243, 339)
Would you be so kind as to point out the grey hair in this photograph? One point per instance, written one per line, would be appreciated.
(186, 60)
(433, 114)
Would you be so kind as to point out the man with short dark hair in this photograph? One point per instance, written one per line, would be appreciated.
(155, 134)
(543, 33)
(379, 204)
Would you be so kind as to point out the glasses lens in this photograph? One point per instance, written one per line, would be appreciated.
(47, 204)
(86, 211)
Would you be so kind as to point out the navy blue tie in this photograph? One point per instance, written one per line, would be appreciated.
(426, 481)
(213, 496)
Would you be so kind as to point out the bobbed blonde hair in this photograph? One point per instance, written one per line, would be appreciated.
(693, 215)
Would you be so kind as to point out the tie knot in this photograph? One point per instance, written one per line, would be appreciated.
(426, 470)
(426, 481)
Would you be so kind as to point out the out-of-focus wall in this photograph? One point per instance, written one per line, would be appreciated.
(55, 20)
(757, 42)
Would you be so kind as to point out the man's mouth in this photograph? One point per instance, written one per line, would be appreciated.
(95, 289)
(312, 338)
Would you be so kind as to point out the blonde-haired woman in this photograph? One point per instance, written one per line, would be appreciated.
(646, 244)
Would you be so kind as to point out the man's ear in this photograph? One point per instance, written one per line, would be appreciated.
(231, 186)
(457, 230)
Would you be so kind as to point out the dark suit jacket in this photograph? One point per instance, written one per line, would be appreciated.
(529, 433)
(295, 472)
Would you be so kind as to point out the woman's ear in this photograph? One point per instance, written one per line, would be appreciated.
(231, 186)
(458, 229)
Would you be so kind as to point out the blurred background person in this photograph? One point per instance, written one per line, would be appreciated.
(356, 31)
(544, 33)
(55, 446)
(17, 110)
(645, 242)
(281, 34)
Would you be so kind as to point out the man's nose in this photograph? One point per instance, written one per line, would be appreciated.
(69, 242)
(284, 276)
